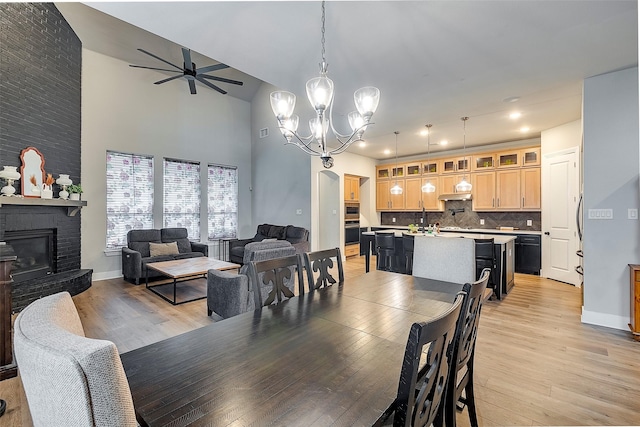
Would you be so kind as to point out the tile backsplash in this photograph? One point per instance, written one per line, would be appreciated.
(458, 213)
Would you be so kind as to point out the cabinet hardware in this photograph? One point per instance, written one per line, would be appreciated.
(493, 202)
(523, 202)
(546, 233)
(498, 201)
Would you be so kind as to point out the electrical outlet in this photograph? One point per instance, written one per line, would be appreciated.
(632, 213)
(335, 212)
(421, 220)
(298, 211)
(529, 223)
(481, 221)
(393, 220)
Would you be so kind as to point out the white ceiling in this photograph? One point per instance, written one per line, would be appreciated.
(433, 61)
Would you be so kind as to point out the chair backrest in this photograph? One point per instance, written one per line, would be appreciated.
(274, 280)
(322, 262)
(444, 258)
(467, 329)
(259, 251)
(484, 249)
(421, 389)
(408, 242)
(69, 380)
(385, 240)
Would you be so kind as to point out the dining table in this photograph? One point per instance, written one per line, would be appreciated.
(330, 357)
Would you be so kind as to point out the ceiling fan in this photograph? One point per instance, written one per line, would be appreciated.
(191, 73)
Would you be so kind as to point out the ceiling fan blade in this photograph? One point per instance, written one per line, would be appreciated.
(167, 80)
(152, 68)
(186, 54)
(212, 86)
(160, 59)
(192, 86)
(221, 79)
(212, 68)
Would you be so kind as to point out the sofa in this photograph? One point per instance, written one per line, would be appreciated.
(297, 236)
(167, 244)
(69, 380)
(230, 294)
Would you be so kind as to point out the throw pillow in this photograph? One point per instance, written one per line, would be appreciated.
(156, 249)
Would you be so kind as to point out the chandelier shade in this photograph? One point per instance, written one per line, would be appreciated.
(428, 187)
(396, 189)
(320, 92)
(464, 186)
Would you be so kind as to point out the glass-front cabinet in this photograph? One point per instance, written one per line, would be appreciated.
(413, 169)
(508, 159)
(483, 162)
(432, 167)
(530, 156)
(458, 164)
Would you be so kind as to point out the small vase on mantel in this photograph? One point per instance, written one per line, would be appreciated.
(47, 192)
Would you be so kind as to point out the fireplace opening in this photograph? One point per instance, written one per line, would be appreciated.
(34, 250)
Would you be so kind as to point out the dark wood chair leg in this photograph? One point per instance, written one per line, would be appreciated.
(471, 402)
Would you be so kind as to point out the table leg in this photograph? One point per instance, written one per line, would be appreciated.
(174, 292)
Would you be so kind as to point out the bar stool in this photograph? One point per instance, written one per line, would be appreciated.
(407, 245)
(486, 258)
(385, 250)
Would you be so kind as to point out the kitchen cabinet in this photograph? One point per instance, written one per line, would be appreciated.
(351, 188)
(483, 191)
(530, 178)
(413, 169)
(528, 254)
(508, 159)
(432, 167)
(448, 183)
(457, 164)
(508, 189)
(483, 162)
(383, 172)
(385, 200)
(530, 156)
(415, 199)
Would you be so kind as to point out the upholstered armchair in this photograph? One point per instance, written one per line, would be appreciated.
(69, 380)
(231, 294)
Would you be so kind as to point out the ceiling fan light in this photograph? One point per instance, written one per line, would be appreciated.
(320, 92)
(282, 104)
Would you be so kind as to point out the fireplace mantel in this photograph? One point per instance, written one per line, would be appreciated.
(73, 206)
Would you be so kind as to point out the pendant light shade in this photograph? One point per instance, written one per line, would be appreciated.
(464, 186)
(396, 189)
(428, 187)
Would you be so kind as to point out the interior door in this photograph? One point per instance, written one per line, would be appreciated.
(559, 204)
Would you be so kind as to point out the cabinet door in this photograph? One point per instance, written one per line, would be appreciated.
(383, 172)
(483, 162)
(432, 167)
(484, 191)
(397, 200)
(413, 190)
(508, 159)
(383, 202)
(508, 190)
(430, 200)
(351, 188)
(448, 183)
(531, 189)
(530, 156)
(355, 188)
(413, 169)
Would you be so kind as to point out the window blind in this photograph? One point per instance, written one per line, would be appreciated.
(129, 195)
(222, 207)
(181, 203)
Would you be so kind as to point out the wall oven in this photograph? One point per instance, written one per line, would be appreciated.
(352, 212)
(351, 232)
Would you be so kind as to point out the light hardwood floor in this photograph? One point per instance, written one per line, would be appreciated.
(536, 364)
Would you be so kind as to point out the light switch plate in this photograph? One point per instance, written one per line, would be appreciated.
(393, 220)
(298, 211)
(632, 214)
(481, 221)
(529, 223)
(600, 214)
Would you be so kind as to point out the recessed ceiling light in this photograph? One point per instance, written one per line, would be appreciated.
(362, 144)
(387, 151)
(444, 142)
(511, 99)
(515, 115)
(524, 129)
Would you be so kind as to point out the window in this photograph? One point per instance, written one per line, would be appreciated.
(129, 195)
(182, 196)
(222, 216)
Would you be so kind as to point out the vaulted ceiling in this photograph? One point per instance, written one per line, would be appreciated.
(433, 61)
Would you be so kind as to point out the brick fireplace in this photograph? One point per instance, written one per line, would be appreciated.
(41, 107)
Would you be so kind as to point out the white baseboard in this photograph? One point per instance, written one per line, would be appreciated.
(604, 319)
(105, 275)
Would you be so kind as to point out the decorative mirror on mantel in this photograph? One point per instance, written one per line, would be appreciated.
(32, 166)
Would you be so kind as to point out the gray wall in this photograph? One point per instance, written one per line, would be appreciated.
(611, 152)
(281, 173)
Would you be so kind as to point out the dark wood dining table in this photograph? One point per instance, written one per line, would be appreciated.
(330, 357)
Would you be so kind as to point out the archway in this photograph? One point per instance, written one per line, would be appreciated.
(329, 224)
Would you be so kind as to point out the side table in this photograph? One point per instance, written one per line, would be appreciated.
(223, 249)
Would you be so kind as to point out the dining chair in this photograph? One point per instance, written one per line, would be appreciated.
(407, 245)
(422, 388)
(274, 280)
(461, 376)
(321, 268)
(486, 258)
(385, 250)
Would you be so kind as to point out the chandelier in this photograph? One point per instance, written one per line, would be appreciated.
(320, 94)
(464, 186)
(396, 189)
(428, 187)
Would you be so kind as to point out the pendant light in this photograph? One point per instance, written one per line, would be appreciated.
(464, 186)
(428, 187)
(396, 189)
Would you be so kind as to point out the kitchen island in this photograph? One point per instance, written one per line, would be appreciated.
(503, 245)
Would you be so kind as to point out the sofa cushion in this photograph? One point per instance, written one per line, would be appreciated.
(159, 258)
(277, 232)
(156, 249)
(296, 234)
(188, 255)
(259, 237)
(178, 235)
(263, 229)
(138, 240)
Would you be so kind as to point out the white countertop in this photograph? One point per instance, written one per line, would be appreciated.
(472, 230)
(499, 239)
